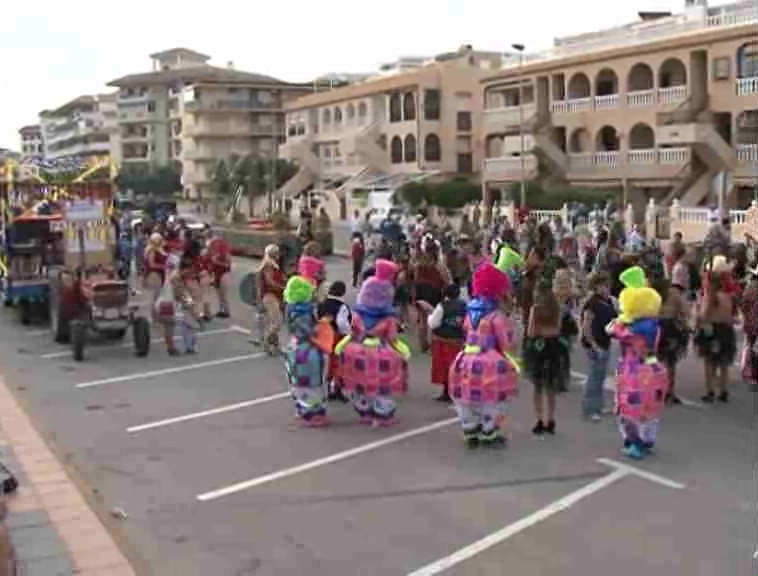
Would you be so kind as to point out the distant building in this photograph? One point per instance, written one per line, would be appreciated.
(83, 127)
(415, 118)
(192, 114)
(32, 145)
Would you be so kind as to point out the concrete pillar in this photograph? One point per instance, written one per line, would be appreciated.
(698, 80)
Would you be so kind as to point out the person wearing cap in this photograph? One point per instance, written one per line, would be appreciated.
(484, 375)
(373, 361)
(270, 286)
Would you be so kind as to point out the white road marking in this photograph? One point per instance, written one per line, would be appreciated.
(610, 385)
(643, 474)
(38, 332)
(154, 340)
(313, 464)
(166, 371)
(620, 472)
(212, 412)
(241, 330)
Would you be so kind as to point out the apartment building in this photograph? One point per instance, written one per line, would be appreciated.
(31, 141)
(82, 127)
(663, 108)
(415, 118)
(193, 114)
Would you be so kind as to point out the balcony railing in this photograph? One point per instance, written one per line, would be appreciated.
(229, 105)
(608, 159)
(510, 115)
(641, 98)
(582, 160)
(590, 160)
(510, 164)
(747, 86)
(674, 155)
(638, 157)
(607, 102)
(572, 106)
(673, 94)
(747, 153)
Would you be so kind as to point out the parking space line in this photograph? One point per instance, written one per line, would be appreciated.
(313, 464)
(610, 385)
(211, 412)
(167, 371)
(620, 471)
(154, 341)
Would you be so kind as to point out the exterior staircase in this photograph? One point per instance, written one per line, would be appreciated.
(557, 159)
(301, 152)
(365, 144)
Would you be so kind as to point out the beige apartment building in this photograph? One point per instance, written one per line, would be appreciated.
(31, 141)
(85, 126)
(193, 114)
(416, 118)
(663, 108)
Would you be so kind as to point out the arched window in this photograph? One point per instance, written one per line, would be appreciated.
(672, 73)
(396, 108)
(606, 83)
(640, 79)
(337, 115)
(641, 137)
(579, 86)
(410, 148)
(396, 150)
(362, 111)
(580, 142)
(326, 116)
(350, 112)
(409, 106)
(607, 140)
(747, 61)
(432, 148)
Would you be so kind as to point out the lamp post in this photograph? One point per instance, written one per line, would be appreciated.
(522, 160)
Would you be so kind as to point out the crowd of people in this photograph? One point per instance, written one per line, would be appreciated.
(509, 304)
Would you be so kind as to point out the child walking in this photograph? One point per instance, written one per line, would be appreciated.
(543, 356)
(598, 311)
(565, 295)
(446, 324)
(484, 375)
(337, 312)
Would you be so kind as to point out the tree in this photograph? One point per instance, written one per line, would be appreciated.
(159, 181)
(453, 194)
(222, 185)
(413, 194)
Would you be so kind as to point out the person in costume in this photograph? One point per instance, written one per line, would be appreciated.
(155, 258)
(749, 306)
(373, 360)
(446, 324)
(484, 375)
(270, 286)
(220, 262)
(675, 331)
(429, 278)
(337, 313)
(642, 381)
(565, 295)
(304, 360)
(312, 269)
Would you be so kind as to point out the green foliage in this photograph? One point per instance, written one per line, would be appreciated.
(449, 195)
(413, 194)
(539, 197)
(160, 181)
(280, 221)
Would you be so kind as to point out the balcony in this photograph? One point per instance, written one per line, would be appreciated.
(508, 168)
(747, 162)
(608, 102)
(500, 119)
(230, 106)
(594, 161)
(674, 156)
(641, 98)
(673, 94)
(747, 86)
(572, 106)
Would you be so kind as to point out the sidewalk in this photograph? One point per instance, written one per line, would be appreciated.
(52, 529)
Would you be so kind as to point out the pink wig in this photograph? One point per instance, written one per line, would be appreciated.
(310, 268)
(385, 270)
(490, 282)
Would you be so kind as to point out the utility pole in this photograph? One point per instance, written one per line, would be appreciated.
(522, 160)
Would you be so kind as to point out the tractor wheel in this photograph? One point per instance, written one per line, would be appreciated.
(78, 339)
(141, 332)
(25, 312)
(59, 324)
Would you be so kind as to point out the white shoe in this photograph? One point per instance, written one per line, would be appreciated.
(596, 418)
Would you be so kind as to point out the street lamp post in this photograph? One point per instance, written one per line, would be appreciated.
(522, 160)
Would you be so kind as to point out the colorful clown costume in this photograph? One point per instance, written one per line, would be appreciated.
(305, 362)
(642, 380)
(484, 375)
(373, 361)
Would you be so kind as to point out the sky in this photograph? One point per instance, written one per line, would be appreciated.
(52, 51)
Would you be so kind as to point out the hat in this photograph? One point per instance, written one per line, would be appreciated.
(633, 277)
(310, 268)
(385, 270)
(298, 290)
(490, 282)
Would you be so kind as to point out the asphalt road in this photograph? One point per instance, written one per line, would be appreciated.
(202, 454)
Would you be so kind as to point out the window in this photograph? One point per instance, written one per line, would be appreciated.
(362, 110)
(721, 68)
(464, 121)
(410, 148)
(326, 116)
(151, 106)
(431, 104)
(338, 115)
(409, 106)
(396, 108)
(747, 61)
(432, 148)
(465, 163)
(396, 150)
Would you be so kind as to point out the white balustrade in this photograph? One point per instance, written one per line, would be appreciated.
(738, 216)
(641, 98)
(694, 215)
(747, 86)
(580, 105)
(607, 102)
(677, 156)
(646, 156)
(673, 94)
(747, 153)
(733, 18)
(581, 160)
(559, 107)
(510, 164)
(607, 159)
(510, 115)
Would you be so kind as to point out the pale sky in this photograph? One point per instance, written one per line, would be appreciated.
(52, 50)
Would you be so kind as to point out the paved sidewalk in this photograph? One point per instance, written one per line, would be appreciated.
(52, 528)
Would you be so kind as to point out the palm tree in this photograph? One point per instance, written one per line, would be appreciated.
(222, 185)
